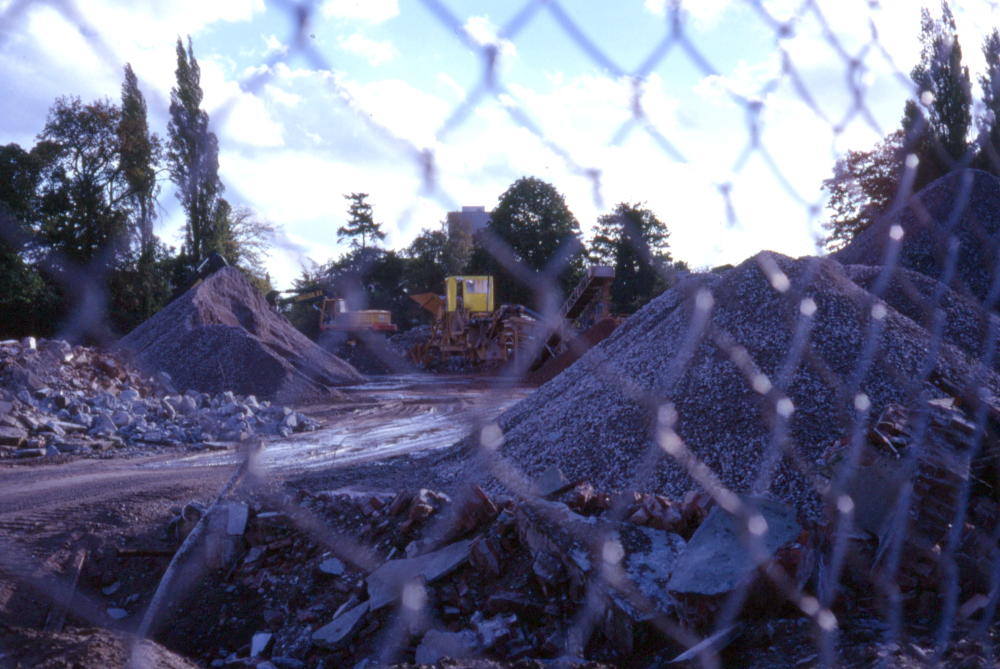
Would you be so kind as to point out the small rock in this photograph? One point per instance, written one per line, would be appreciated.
(331, 567)
(342, 629)
(117, 614)
(438, 645)
(260, 643)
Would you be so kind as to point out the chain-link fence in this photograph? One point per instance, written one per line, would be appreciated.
(795, 457)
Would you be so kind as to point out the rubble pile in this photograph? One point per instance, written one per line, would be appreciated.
(951, 468)
(222, 335)
(961, 206)
(59, 399)
(404, 341)
(598, 420)
(340, 578)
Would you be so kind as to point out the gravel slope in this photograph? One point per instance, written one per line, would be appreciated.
(222, 335)
(597, 419)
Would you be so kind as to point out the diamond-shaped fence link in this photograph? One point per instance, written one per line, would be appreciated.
(820, 599)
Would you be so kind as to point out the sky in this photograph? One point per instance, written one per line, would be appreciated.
(722, 116)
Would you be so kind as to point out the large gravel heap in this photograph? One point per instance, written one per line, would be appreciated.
(597, 420)
(965, 205)
(222, 335)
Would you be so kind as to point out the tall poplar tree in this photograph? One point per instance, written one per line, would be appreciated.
(140, 154)
(193, 155)
(937, 126)
(989, 123)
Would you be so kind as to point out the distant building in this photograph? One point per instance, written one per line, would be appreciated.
(469, 221)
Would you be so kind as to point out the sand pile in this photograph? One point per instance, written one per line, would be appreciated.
(597, 420)
(222, 335)
(964, 204)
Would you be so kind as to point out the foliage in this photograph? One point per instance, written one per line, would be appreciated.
(245, 242)
(361, 224)
(863, 186)
(83, 191)
(427, 257)
(534, 223)
(989, 123)
(193, 156)
(633, 241)
(937, 129)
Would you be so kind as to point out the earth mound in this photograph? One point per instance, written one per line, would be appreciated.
(965, 205)
(222, 335)
(715, 351)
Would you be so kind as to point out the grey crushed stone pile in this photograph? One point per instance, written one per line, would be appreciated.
(222, 335)
(596, 421)
(965, 324)
(963, 205)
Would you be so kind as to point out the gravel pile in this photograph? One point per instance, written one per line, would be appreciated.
(57, 399)
(222, 335)
(966, 204)
(597, 420)
(914, 295)
(404, 341)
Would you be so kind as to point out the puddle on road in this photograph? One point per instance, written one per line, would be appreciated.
(400, 414)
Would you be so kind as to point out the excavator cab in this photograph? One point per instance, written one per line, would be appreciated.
(469, 293)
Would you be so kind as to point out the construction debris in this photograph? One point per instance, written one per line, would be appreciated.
(57, 399)
(223, 336)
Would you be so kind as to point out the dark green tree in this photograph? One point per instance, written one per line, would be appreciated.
(427, 258)
(633, 241)
(936, 125)
(244, 240)
(361, 223)
(28, 302)
(863, 186)
(84, 193)
(534, 223)
(193, 156)
(140, 156)
(989, 123)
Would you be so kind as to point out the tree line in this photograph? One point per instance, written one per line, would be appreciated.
(935, 134)
(77, 212)
(532, 246)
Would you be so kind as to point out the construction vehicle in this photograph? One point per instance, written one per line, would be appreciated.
(334, 316)
(467, 328)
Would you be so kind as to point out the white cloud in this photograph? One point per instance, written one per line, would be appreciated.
(237, 115)
(373, 51)
(274, 46)
(282, 97)
(484, 32)
(370, 11)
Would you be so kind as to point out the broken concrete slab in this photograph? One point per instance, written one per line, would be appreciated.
(551, 480)
(236, 521)
(551, 528)
(439, 645)
(721, 553)
(260, 643)
(341, 630)
(385, 584)
(12, 436)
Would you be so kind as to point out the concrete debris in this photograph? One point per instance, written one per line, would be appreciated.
(386, 584)
(727, 548)
(439, 645)
(61, 399)
(340, 631)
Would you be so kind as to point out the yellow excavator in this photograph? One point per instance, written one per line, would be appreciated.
(334, 316)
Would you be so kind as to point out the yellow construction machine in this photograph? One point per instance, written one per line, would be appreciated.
(467, 326)
(334, 315)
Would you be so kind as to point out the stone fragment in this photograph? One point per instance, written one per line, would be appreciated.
(721, 553)
(51, 451)
(12, 436)
(261, 643)
(187, 405)
(332, 567)
(492, 631)
(439, 645)
(103, 424)
(5, 408)
(117, 614)
(30, 453)
(236, 523)
(551, 480)
(386, 583)
(339, 632)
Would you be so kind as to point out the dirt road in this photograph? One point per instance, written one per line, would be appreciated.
(376, 440)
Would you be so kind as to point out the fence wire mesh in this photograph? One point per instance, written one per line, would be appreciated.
(826, 594)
